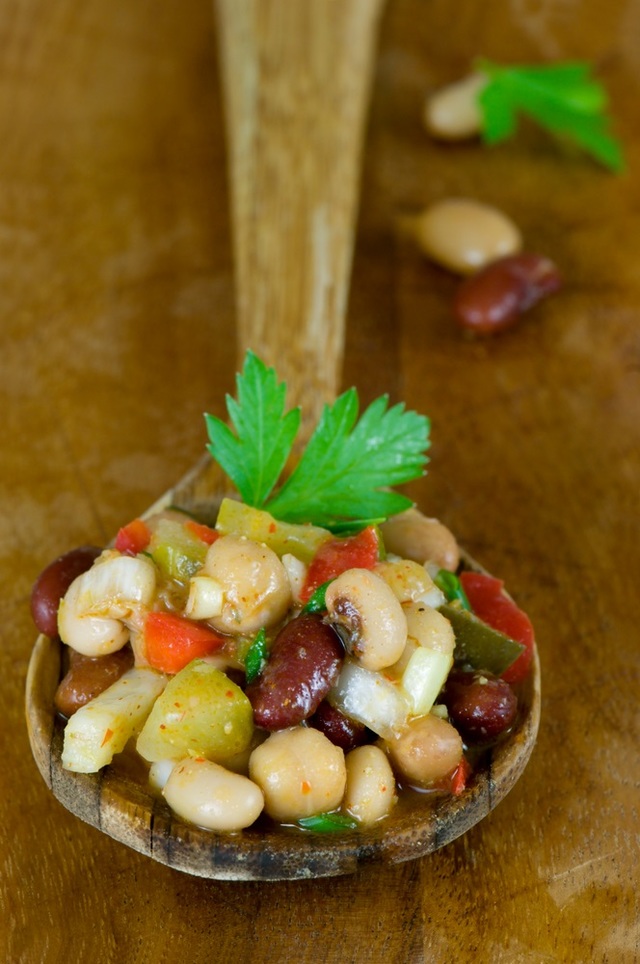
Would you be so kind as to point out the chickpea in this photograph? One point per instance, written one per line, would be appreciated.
(210, 796)
(371, 786)
(414, 536)
(465, 235)
(368, 609)
(427, 750)
(254, 582)
(300, 772)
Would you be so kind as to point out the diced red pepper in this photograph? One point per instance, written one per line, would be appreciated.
(201, 531)
(361, 551)
(133, 538)
(493, 606)
(171, 642)
(460, 777)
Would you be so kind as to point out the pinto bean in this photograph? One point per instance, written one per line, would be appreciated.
(427, 750)
(493, 300)
(303, 665)
(412, 535)
(88, 676)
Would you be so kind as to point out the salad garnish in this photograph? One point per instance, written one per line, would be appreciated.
(346, 466)
(564, 98)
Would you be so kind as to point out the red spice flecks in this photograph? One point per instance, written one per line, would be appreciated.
(305, 786)
(107, 736)
(273, 527)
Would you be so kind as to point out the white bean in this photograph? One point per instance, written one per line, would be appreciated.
(452, 113)
(413, 535)
(254, 582)
(366, 607)
(410, 582)
(210, 796)
(371, 786)
(300, 772)
(465, 235)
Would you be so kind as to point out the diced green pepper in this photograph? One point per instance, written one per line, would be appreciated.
(451, 586)
(177, 552)
(256, 656)
(302, 541)
(328, 822)
(477, 643)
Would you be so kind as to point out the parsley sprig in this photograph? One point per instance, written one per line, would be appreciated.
(346, 468)
(563, 98)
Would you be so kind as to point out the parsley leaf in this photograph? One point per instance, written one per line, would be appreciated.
(254, 458)
(348, 463)
(563, 98)
(345, 472)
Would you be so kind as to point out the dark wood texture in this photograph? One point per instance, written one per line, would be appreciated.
(117, 328)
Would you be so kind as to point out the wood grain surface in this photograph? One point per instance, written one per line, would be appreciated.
(117, 322)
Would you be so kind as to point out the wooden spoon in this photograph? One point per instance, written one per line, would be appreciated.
(296, 78)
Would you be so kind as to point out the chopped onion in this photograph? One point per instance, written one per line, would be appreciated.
(371, 699)
(206, 598)
(424, 677)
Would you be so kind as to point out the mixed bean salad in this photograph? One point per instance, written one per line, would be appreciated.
(314, 651)
(259, 667)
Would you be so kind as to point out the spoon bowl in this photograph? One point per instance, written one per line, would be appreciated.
(119, 801)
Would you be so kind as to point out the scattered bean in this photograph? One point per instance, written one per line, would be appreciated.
(480, 705)
(300, 773)
(52, 584)
(465, 235)
(303, 665)
(371, 787)
(452, 113)
(88, 676)
(494, 299)
(427, 750)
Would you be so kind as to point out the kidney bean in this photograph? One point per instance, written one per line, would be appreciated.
(88, 676)
(494, 299)
(303, 665)
(52, 584)
(339, 728)
(480, 705)
(465, 235)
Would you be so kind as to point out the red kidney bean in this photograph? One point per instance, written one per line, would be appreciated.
(52, 584)
(303, 665)
(88, 676)
(495, 297)
(480, 705)
(339, 728)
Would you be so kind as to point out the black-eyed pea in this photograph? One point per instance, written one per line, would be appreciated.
(453, 113)
(371, 787)
(464, 235)
(426, 751)
(255, 585)
(211, 796)
(300, 772)
(363, 604)
(412, 535)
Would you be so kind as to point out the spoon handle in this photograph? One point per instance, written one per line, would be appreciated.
(296, 77)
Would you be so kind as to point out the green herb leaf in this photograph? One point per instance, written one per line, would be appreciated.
(256, 656)
(451, 586)
(328, 822)
(317, 601)
(347, 462)
(564, 98)
(254, 458)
